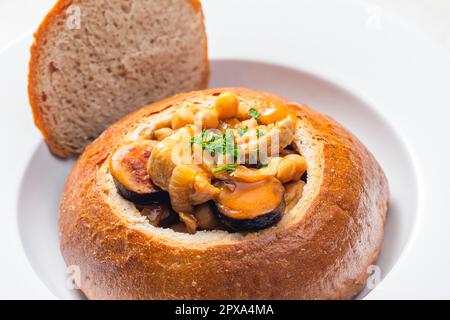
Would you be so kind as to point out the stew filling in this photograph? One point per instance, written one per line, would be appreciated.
(220, 166)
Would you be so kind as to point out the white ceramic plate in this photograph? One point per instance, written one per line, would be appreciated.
(382, 79)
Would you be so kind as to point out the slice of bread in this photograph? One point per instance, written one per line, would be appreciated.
(94, 61)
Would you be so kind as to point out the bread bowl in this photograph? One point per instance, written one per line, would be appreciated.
(93, 62)
(329, 233)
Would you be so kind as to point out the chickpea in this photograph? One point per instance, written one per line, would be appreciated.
(300, 165)
(226, 105)
(162, 133)
(207, 119)
(286, 171)
(182, 118)
(291, 168)
(163, 122)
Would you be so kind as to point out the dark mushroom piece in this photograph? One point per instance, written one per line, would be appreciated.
(160, 213)
(246, 206)
(128, 166)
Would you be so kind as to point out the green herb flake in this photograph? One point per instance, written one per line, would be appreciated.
(228, 143)
(254, 113)
(228, 168)
(216, 143)
(198, 139)
(209, 141)
(242, 131)
(259, 133)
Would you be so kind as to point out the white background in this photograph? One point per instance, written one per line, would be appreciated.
(19, 17)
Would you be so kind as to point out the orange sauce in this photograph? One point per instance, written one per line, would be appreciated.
(270, 113)
(249, 200)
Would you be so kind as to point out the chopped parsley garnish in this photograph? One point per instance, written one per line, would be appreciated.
(216, 143)
(242, 131)
(228, 168)
(198, 139)
(254, 113)
(205, 138)
(259, 133)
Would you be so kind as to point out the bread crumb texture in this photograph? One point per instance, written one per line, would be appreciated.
(118, 56)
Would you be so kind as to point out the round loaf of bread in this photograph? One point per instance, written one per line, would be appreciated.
(320, 249)
(95, 61)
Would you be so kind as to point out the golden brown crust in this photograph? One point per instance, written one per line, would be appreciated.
(323, 255)
(36, 101)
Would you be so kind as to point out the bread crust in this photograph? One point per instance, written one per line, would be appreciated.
(323, 255)
(36, 101)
